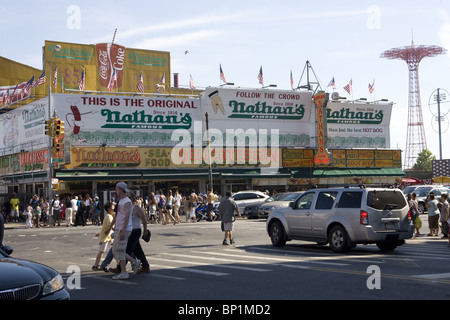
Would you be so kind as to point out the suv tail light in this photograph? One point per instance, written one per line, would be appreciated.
(364, 217)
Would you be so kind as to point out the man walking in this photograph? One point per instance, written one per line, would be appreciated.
(123, 228)
(226, 208)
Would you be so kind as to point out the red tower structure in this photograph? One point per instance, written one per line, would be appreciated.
(412, 55)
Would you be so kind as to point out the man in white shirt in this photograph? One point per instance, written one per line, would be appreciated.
(123, 228)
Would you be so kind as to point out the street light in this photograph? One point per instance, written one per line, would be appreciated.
(50, 140)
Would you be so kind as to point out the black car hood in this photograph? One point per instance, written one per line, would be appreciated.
(17, 273)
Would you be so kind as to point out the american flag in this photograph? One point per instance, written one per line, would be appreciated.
(372, 87)
(191, 83)
(6, 97)
(28, 86)
(349, 87)
(292, 81)
(112, 81)
(163, 79)
(222, 75)
(40, 80)
(82, 81)
(260, 77)
(332, 84)
(140, 84)
(55, 77)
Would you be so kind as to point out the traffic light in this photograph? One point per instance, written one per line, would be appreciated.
(59, 128)
(57, 145)
(49, 127)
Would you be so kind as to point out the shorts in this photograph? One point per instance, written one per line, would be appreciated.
(120, 246)
(14, 213)
(228, 226)
(433, 221)
(104, 246)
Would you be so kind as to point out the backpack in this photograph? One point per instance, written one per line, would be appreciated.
(98, 207)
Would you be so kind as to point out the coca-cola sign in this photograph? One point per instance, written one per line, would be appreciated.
(110, 57)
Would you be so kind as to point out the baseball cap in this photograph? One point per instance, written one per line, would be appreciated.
(123, 186)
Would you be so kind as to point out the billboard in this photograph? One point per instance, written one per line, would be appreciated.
(358, 125)
(99, 60)
(289, 112)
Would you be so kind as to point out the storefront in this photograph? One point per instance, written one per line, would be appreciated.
(258, 139)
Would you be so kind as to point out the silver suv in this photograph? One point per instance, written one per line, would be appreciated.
(344, 217)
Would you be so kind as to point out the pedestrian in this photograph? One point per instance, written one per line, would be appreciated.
(227, 208)
(123, 227)
(169, 208)
(14, 202)
(37, 213)
(162, 207)
(105, 241)
(45, 209)
(192, 205)
(96, 210)
(56, 207)
(210, 198)
(70, 213)
(444, 215)
(176, 207)
(414, 212)
(134, 247)
(88, 212)
(80, 217)
(433, 215)
(28, 215)
(152, 208)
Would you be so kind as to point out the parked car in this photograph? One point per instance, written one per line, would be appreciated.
(27, 280)
(248, 198)
(343, 218)
(422, 194)
(263, 210)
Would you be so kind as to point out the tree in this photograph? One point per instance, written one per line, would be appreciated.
(424, 159)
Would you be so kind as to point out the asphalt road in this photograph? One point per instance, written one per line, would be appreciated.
(188, 262)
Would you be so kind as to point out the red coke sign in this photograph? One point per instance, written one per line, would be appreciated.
(110, 57)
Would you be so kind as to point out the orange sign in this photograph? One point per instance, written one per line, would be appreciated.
(322, 157)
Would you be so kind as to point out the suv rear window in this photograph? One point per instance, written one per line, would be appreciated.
(350, 199)
(384, 199)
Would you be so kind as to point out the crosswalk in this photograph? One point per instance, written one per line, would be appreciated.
(225, 261)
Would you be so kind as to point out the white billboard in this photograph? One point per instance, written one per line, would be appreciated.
(358, 125)
(289, 112)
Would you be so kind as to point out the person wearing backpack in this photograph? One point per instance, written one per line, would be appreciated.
(96, 210)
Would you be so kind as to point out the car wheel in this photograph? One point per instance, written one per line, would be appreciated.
(338, 239)
(387, 245)
(277, 234)
(421, 207)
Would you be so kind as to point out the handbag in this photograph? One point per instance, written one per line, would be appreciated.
(146, 237)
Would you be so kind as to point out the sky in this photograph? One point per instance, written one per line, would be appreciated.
(340, 39)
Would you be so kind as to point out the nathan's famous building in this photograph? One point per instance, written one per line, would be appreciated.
(158, 139)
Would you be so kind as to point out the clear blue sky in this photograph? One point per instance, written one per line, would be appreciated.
(341, 39)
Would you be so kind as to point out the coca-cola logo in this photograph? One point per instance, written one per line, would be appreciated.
(111, 57)
(120, 59)
(103, 66)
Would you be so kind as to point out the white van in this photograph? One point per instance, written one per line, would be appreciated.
(343, 218)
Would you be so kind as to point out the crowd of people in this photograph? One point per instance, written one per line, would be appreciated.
(120, 221)
(79, 209)
(438, 215)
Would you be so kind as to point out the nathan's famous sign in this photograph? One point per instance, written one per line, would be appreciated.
(102, 61)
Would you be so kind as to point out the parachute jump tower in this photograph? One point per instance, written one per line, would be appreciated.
(412, 55)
